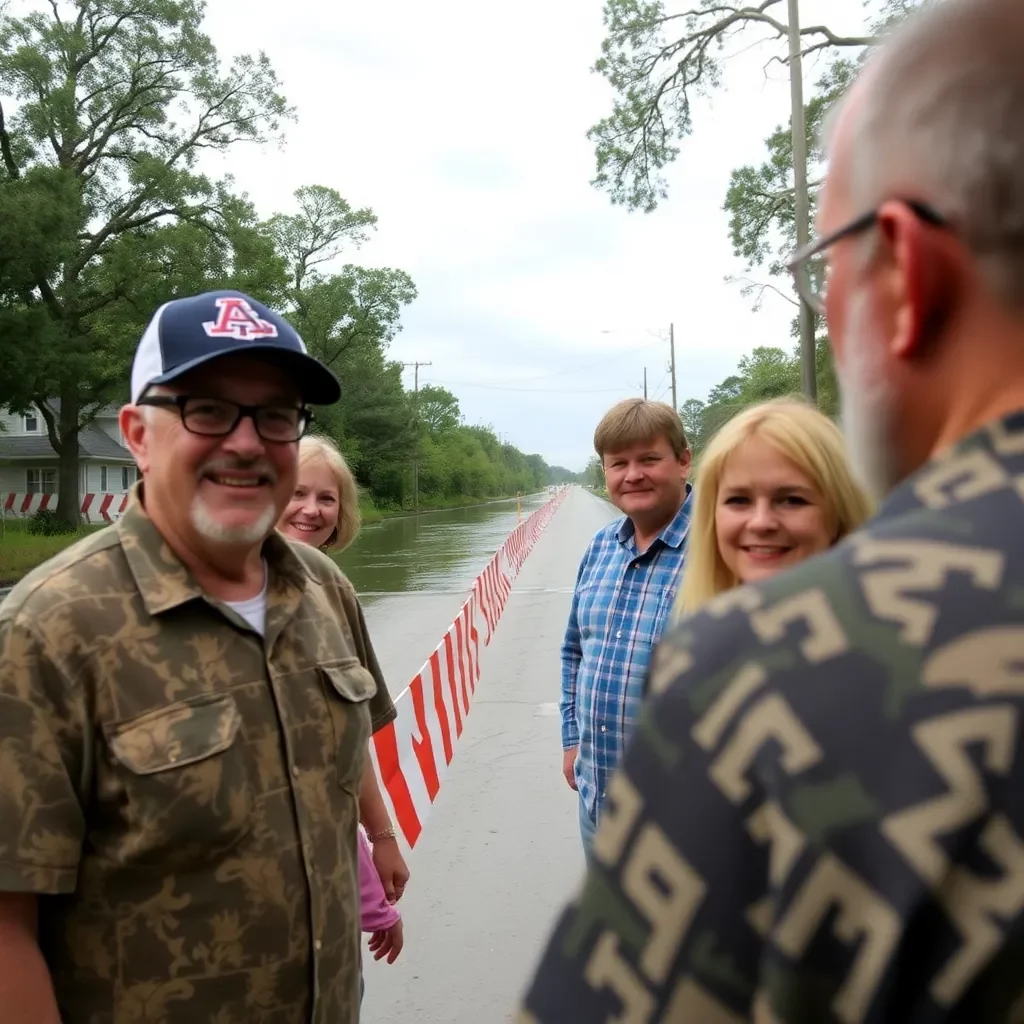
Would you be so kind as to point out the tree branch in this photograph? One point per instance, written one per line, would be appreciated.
(834, 40)
(761, 287)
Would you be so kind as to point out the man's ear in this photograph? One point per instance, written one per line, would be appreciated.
(685, 461)
(918, 279)
(135, 431)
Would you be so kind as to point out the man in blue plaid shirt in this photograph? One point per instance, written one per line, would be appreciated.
(625, 590)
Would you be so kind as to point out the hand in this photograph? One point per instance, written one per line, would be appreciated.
(390, 865)
(387, 943)
(569, 766)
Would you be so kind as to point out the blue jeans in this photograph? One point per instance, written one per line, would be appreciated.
(588, 826)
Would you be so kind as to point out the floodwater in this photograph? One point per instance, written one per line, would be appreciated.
(413, 573)
(436, 552)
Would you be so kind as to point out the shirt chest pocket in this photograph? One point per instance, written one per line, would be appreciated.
(181, 781)
(348, 688)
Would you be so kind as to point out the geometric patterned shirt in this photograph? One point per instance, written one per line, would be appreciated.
(821, 814)
(620, 608)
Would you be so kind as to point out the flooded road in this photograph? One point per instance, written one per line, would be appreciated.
(413, 573)
(434, 551)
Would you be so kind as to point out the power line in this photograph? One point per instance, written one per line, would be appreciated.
(578, 369)
(533, 391)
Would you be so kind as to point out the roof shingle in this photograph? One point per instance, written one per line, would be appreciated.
(93, 443)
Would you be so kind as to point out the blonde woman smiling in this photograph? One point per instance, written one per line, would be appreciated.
(324, 513)
(324, 510)
(774, 488)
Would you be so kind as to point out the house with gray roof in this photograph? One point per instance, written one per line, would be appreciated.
(28, 463)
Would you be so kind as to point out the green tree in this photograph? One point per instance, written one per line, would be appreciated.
(438, 410)
(155, 263)
(760, 200)
(347, 315)
(657, 60)
(121, 97)
(692, 414)
(768, 373)
(764, 374)
(40, 211)
(334, 310)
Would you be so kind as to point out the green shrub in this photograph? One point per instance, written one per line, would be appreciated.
(46, 523)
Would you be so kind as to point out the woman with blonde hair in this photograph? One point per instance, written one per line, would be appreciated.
(774, 487)
(324, 511)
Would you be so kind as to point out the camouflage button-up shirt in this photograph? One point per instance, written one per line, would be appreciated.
(182, 792)
(821, 817)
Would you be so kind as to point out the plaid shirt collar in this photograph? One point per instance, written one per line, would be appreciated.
(673, 535)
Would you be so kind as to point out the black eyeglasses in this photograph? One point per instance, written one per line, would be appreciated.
(809, 265)
(217, 417)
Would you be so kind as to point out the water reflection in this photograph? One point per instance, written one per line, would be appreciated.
(435, 551)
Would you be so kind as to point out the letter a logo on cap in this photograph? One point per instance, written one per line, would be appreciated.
(237, 319)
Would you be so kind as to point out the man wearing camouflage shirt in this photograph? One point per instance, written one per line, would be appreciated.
(821, 818)
(185, 704)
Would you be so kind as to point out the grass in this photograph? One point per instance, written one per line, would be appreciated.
(21, 552)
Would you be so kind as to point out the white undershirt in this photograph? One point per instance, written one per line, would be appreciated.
(254, 609)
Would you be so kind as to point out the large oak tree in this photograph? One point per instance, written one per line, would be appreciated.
(120, 98)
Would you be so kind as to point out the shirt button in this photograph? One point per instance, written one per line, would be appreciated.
(318, 945)
(604, 728)
(295, 770)
(618, 636)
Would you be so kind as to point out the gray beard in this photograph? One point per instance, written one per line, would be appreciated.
(867, 407)
(209, 529)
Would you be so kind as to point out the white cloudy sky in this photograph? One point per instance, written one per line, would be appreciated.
(463, 125)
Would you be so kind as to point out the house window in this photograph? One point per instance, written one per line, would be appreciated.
(103, 479)
(129, 474)
(41, 481)
(31, 423)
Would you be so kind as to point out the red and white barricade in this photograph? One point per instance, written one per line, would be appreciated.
(414, 751)
(95, 508)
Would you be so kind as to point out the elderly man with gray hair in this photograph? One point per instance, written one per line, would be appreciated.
(821, 814)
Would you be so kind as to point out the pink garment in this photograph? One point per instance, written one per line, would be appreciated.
(377, 914)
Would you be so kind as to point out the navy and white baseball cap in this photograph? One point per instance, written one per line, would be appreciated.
(188, 333)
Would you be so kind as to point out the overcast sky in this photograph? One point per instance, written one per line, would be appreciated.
(463, 125)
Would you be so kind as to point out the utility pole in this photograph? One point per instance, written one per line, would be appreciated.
(645, 382)
(416, 440)
(801, 197)
(672, 349)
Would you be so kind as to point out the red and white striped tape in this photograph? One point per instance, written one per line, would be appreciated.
(95, 508)
(414, 751)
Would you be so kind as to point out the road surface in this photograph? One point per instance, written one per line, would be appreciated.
(500, 853)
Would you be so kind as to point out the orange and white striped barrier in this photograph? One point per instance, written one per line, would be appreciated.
(95, 508)
(414, 751)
